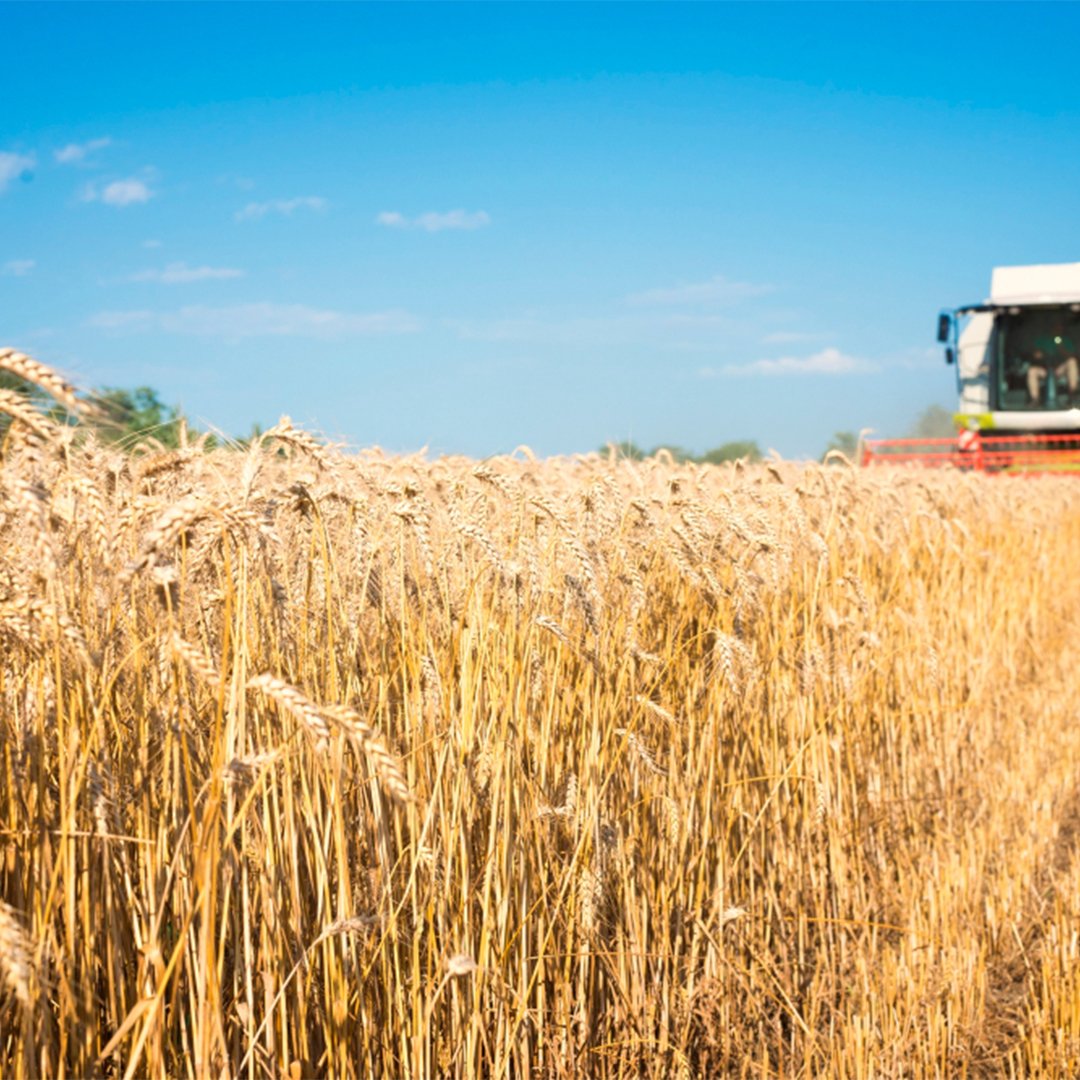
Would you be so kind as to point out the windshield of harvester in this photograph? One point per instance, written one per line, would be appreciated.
(1038, 358)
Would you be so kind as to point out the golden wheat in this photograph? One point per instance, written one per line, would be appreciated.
(315, 764)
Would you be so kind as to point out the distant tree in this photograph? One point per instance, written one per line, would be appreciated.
(625, 449)
(245, 441)
(677, 452)
(847, 442)
(732, 451)
(120, 416)
(933, 422)
(10, 381)
(634, 452)
(128, 415)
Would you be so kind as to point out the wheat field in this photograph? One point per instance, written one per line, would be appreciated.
(324, 764)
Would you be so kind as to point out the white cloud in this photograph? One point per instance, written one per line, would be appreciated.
(788, 337)
(239, 321)
(830, 361)
(151, 243)
(17, 267)
(243, 183)
(12, 166)
(179, 273)
(122, 320)
(919, 357)
(254, 211)
(126, 192)
(435, 222)
(77, 153)
(667, 329)
(718, 290)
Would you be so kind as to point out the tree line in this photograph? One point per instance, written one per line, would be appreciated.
(124, 416)
(120, 416)
(934, 422)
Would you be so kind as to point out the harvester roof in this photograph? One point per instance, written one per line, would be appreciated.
(1057, 283)
(1030, 286)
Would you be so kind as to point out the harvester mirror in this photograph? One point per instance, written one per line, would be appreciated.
(944, 326)
(950, 356)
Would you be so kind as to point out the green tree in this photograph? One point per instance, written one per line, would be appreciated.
(244, 442)
(731, 451)
(933, 422)
(128, 415)
(11, 381)
(120, 416)
(36, 399)
(847, 442)
(625, 449)
(677, 452)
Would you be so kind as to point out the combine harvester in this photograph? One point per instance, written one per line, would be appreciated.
(1017, 360)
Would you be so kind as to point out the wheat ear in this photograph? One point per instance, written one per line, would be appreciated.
(15, 952)
(42, 377)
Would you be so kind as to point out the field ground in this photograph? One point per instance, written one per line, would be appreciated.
(314, 765)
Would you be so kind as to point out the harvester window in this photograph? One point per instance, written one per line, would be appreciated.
(1038, 359)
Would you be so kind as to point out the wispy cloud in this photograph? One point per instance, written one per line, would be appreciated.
(122, 320)
(435, 222)
(179, 273)
(128, 192)
(17, 267)
(240, 321)
(669, 329)
(830, 361)
(13, 166)
(255, 210)
(918, 357)
(243, 183)
(717, 291)
(789, 337)
(77, 153)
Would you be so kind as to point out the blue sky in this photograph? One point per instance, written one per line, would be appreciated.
(469, 227)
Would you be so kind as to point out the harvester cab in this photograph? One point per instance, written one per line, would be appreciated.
(1017, 361)
(1017, 352)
